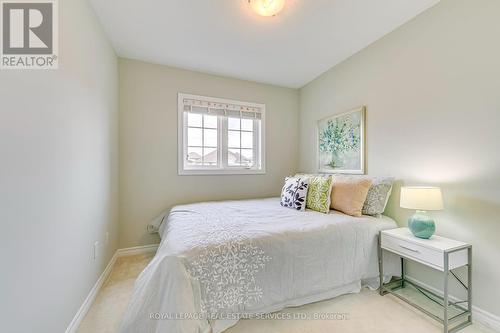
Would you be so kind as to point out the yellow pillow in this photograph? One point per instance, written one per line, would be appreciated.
(349, 194)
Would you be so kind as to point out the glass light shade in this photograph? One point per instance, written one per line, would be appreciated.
(267, 7)
(421, 198)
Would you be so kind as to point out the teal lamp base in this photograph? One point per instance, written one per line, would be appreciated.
(421, 225)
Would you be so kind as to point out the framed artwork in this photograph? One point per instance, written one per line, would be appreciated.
(341, 143)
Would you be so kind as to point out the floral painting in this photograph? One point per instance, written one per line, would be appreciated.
(341, 143)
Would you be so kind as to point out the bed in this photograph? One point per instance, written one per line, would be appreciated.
(222, 261)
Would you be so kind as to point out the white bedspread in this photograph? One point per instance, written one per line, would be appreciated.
(220, 260)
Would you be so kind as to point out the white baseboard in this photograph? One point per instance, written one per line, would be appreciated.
(479, 316)
(75, 323)
(130, 251)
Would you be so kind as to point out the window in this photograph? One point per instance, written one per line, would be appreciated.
(218, 136)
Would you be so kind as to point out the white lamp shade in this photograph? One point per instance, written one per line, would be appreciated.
(421, 198)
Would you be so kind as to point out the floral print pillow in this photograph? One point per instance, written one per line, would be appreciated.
(318, 195)
(294, 193)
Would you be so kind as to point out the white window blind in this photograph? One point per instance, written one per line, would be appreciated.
(221, 109)
(218, 136)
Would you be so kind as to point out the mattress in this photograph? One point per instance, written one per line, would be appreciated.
(222, 261)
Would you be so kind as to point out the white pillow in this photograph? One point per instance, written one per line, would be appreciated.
(294, 193)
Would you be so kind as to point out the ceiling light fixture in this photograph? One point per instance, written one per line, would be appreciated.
(267, 7)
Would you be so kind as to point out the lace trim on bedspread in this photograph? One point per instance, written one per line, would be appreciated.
(226, 263)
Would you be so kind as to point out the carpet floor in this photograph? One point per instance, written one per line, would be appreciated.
(356, 313)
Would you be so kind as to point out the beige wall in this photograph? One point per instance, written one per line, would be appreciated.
(432, 89)
(58, 177)
(148, 144)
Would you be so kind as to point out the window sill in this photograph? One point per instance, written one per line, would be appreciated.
(187, 172)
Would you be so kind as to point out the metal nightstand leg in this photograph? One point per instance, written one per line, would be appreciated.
(469, 282)
(380, 265)
(402, 272)
(468, 311)
(445, 291)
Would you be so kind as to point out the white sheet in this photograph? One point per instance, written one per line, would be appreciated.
(219, 260)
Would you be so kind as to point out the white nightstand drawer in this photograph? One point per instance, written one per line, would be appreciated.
(428, 252)
(412, 250)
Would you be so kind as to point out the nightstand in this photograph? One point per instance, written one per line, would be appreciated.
(439, 253)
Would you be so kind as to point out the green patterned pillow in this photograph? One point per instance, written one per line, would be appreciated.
(318, 194)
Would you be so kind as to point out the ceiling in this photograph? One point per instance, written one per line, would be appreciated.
(225, 37)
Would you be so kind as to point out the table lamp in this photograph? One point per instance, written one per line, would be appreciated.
(422, 199)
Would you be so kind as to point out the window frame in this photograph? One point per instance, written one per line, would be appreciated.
(222, 145)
